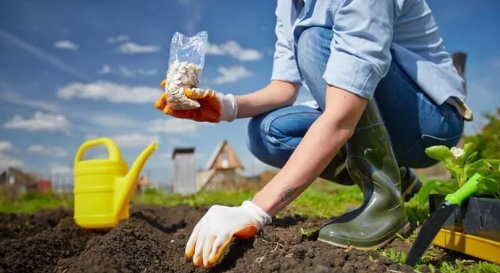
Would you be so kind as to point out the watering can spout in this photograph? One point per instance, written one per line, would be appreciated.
(125, 186)
(136, 168)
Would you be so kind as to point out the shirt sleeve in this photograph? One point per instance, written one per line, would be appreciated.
(284, 65)
(360, 49)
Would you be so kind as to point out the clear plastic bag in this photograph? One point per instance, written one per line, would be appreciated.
(186, 61)
(189, 49)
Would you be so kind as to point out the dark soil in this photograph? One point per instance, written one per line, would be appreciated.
(153, 240)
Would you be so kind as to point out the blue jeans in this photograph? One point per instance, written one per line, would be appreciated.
(413, 121)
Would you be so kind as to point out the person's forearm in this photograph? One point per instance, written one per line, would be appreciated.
(318, 147)
(315, 151)
(277, 94)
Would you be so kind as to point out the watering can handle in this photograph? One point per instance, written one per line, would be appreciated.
(114, 153)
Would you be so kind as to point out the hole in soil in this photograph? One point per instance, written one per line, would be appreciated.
(157, 225)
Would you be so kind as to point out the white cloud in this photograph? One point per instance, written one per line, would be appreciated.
(233, 49)
(6, 161)
(39, 122)
(172, 126)
(109, 91)
(134, 140)
(14, 98)
(232, 74)
(111, 120)
(213, 49)
(130, 72)
(117, 39)
(56, 151)
(126, 71)
(4, 146)
(65, 44)
(41, 54)
(105, 69)
(134, 48)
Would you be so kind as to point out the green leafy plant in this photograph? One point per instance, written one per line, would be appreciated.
(397, 256)
(462, 164)
(488, 139)
(452, 268)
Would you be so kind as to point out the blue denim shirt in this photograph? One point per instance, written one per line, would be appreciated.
(368, 35)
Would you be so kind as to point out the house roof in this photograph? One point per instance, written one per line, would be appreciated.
(217, 151)
(25, 178)
(184, 150)
(213, 157)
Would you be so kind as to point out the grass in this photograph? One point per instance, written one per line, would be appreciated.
(31, 202)
(458, 266)
(323, 200)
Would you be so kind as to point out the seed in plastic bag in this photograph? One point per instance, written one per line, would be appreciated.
(181, 75)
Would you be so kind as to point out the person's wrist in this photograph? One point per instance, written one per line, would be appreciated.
(257, 213)
(229, 107)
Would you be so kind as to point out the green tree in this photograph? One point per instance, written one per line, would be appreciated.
(488, 140)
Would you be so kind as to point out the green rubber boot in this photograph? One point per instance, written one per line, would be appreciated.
(372, 165)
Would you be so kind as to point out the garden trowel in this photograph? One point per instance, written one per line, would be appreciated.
(432, 226)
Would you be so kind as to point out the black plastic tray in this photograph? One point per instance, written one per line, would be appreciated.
(478, 216)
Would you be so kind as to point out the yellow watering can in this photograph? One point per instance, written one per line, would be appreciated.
(103, 187)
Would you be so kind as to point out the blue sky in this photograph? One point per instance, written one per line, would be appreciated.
(71, 70)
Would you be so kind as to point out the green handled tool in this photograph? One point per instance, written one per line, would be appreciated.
(432, 226)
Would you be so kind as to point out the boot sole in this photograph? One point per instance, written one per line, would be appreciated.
(403, 229)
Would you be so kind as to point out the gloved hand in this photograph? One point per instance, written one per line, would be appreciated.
(214, 106)
(214, 231)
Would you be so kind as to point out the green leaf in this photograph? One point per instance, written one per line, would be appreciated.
(486, 185)
(495, 163)
(473, 168)
(453, 168)
(471, 157)
(440, 153)
(423, 194)
(469, 149)
(461, 178)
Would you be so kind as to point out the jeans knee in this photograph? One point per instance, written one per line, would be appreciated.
(255, 139)
(260, 142)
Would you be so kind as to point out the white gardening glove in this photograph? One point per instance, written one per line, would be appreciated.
(219, 225)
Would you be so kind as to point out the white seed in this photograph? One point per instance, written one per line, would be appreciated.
(182, 75)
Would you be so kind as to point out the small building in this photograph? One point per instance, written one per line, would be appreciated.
(224, 158)
(222, 170)
(15, 182)
(184, 171)
(44, 185)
